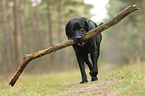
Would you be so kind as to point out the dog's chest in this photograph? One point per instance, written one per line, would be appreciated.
(84, 49)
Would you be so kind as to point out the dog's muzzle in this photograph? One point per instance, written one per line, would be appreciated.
(79, 41)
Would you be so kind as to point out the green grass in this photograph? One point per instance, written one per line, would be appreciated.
(125, 81)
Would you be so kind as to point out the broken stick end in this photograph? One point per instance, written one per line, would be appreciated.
(134, 6)
(11, 83)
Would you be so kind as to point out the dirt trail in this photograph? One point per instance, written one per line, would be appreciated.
(90, 88)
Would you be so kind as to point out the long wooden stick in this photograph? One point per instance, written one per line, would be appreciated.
(56, 47)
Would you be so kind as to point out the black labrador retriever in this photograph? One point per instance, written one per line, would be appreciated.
(76, 29)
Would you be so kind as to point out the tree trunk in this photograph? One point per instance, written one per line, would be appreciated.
(143, 12)
(28, 35)
(59, 32)
(11, 31)
(50, 32)
(58, 24)
(56, 47)
(39, 43)
(6, 34)
(17, 32)
(34, 29)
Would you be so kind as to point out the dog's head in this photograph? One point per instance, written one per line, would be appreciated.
(76, 29)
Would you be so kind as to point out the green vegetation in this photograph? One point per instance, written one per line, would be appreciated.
(126, 80)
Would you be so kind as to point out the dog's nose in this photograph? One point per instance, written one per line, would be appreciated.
(78, 37)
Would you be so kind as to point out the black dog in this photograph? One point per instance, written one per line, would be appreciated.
(76, 29)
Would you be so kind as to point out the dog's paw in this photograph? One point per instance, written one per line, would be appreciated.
(83, 81)
(94, 78)
(93, 73)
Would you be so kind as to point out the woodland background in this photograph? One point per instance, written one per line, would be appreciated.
(27, 26)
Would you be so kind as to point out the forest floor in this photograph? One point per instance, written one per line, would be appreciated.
(128, 80)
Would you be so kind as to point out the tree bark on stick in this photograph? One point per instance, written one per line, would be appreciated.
(56, 47)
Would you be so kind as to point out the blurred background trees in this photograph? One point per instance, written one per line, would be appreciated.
(27, 26)
(126, 41)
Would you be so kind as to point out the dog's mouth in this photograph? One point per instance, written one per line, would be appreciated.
(81, 43)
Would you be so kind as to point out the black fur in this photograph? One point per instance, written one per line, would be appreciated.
(76, 29)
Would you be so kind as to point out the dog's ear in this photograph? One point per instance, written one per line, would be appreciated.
(88, 24)
(87, 27)
(67, 31)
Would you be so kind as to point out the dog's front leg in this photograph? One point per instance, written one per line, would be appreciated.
(82, 69)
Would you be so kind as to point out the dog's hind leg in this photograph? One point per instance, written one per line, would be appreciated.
(88, 63)
(94, 72)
